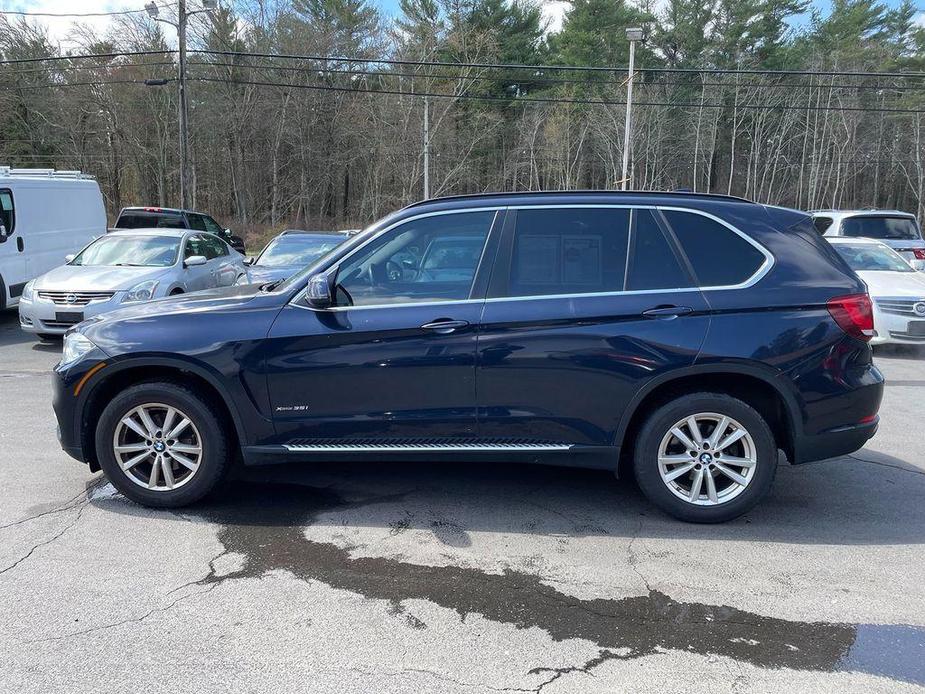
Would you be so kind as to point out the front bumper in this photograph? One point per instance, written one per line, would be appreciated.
(70, 386)
(43, 316)
(895, 328)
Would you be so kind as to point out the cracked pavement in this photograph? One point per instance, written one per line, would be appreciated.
(455, 578)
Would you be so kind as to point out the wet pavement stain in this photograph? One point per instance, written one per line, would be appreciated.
(264, 523)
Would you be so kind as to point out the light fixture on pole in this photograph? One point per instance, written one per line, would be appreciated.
(183, 15)
(633, 34)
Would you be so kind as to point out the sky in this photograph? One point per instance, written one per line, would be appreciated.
(553, 10)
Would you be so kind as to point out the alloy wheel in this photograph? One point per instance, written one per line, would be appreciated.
(707, 459)
(157, 446)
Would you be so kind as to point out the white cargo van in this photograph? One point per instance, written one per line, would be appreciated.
(44, 216)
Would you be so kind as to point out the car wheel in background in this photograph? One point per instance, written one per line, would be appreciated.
(162, 444)
(705, 457)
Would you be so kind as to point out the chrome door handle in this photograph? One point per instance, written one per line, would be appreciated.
(667, 312)
(445, 326)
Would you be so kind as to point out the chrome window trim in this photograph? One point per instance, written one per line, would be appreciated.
(756, 277)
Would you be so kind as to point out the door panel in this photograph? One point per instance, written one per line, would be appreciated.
(582, 311)
(395, 358)
(373, 373)
(197, 277)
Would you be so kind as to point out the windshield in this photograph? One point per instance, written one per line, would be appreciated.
(135, 251)
(867, 256)
(296, 249)
(873, 227)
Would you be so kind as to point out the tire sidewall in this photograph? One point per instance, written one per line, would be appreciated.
(214, 445)
(657, 425)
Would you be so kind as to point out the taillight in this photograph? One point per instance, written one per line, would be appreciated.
(854, 314)
(919, 253)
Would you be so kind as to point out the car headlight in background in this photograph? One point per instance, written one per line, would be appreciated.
(143, 291)
(28, 293)
(76, 346)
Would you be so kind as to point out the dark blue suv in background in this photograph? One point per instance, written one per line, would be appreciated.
(688, 338)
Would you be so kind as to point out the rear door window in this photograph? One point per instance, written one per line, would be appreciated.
(719, 256)
(569, 251)
(653, 263)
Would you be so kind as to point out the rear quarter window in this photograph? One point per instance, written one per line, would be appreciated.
(719, 256)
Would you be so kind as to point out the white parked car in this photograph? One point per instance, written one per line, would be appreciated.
(125, 267)
(44, 215)
(896, 289)
(898, 230)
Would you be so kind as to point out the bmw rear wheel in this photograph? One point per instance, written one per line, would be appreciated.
(705, 457)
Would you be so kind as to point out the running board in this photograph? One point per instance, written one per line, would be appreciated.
(422, 447)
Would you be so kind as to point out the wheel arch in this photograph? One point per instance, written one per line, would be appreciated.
(760, 389)
(119, 376)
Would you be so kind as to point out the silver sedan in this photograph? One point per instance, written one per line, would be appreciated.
(126, 267)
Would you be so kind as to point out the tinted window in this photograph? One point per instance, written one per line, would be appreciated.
(569, 251)
(653, 263)
(719, 256)
(212, 226)
(7, 215)
(141, 220)
(822, 223)
(196, 222)
(428, 259)
(870, 227)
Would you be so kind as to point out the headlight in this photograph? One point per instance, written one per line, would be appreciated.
(27, 291)
(143, 291)
(76, 346)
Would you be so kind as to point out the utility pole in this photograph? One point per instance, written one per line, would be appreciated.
(183, 16)
(426, 147)
(634, 34)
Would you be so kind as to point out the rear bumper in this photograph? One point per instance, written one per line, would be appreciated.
(835, 443)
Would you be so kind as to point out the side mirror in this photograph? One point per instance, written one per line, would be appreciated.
(228, 233)
(319, 293)
(250, 260)
(195, 260)
(69, 257)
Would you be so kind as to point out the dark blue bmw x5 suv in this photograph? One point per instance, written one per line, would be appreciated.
(685, 337)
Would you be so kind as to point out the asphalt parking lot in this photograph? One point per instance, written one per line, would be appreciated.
(452, 578)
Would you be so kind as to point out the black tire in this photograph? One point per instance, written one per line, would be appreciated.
(49, 339)
(660, 422)
(176, 292)
(216, 449)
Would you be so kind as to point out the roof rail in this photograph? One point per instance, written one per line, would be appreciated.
(42, 173)
(538, 193)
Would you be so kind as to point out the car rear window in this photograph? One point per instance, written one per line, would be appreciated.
(880, 227)
(141, 220)
(720, 257)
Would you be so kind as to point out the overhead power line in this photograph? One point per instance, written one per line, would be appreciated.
(488, 66)
(567, 68)
(548, 100)
(89, 56)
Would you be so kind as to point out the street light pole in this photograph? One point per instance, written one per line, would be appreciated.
(183, 16)
(634, 34)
